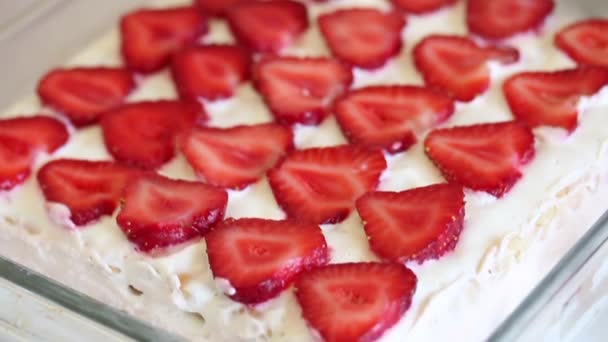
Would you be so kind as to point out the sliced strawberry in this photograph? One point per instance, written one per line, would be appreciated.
(215, 7)
(143, 134)
(551, 98)
(421, 6)
(90, 189)
(484, 157)
(211, 72)
(260, 258)
(301, 89)
(391, 117)
(83, 94)
(159, 212)
(267, 26)
(355, 301)
(151, 36)
(417, 224)
(21, 139)
(238, 156)
(457, 65)
(498, 19)
(320, 185)
(368, 45)
(585, 41)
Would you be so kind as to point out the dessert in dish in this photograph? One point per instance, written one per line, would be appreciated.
(275, 170)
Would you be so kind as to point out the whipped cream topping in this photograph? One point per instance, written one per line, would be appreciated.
(506, 246)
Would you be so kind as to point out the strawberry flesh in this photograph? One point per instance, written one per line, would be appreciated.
(551, 98)
(355, 301)
(260, 258)
(457, 65)
(416, 224)
(320, 185)
(83, 94)
(159, 212)
(390, 117)
(21, 139)
(143, 134)
(215, 7)
(238, 156)
(366, 46)
(585, 41)
(90, 189)
(499, 19)
(151, 36)
(300, 90)
(421, 6)
(267, 26)
(485, 157)
(211, 72)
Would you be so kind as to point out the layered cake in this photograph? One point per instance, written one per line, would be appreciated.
(340, 170)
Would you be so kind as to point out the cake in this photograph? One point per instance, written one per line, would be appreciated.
(320, 142)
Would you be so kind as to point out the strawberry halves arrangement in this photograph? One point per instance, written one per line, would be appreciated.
(262, 258)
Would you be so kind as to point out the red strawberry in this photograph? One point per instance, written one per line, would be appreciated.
(90, 189)
(551, 98)
(21, 139)
(320, 185)
(238, 156)
(484, 157)
(421, 6)
(301, 89)
(215, 7)
(391, 117)
(151, 36)
(143, 134)
(355, 301)
(83, 94)
(585, 41)
(417, 224)
(366, 38)
(499, 19)
(457, 65)
(159, 212)
(260, 258)
(267, 26)
(212, 71)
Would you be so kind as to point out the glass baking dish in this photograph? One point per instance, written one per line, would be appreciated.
(567, 292)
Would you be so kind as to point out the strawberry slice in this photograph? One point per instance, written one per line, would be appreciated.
(211, 72)
(498, 19)
(367, 46)
(215, 7)
(83, 94)
(355, 301)
(90, 189)
(301, 90)
(421, 6)
(585, 41)
(390, 117)
(143, 134)
(484, 157)
(158, 212)
(238, 156)
(267, 26)
(151, 36)
(551, 98)
(457, 65)
(320, 185)
(417, 224)
(21, 139)
(260, 258)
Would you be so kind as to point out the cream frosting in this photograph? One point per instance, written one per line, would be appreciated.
(506, 246)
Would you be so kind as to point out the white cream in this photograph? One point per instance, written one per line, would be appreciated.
(505, 248)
